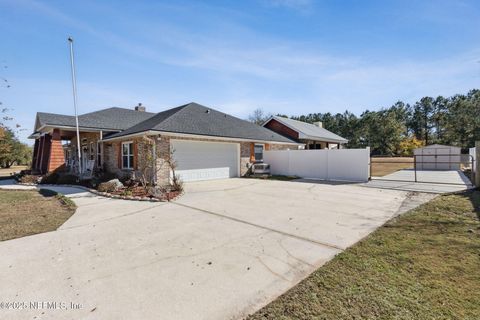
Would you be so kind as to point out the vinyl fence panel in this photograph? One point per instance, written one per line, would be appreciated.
(473, 153)
(336, 164)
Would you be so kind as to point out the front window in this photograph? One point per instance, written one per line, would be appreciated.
(127, 155)
(259, 152)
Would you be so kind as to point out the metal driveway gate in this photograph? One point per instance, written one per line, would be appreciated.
(432, 168)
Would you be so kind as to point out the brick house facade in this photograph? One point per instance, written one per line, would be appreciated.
(163, 150)
(122, 141)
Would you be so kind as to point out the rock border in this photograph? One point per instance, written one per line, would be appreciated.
(96, 192)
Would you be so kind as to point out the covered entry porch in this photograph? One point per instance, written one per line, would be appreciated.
(57, 149)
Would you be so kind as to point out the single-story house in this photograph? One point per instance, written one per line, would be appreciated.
(205, 143)
(313, 136)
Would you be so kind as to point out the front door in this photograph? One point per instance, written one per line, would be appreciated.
(84, 157)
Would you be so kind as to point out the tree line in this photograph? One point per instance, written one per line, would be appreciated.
(399, 129)
(12, 151)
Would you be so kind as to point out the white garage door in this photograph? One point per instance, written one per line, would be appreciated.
(205, 160)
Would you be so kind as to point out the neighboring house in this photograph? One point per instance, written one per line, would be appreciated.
(313, 136)
(207, 144)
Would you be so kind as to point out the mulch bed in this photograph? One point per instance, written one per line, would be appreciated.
(139, 192)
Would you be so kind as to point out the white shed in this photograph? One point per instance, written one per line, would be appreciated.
(438, 157)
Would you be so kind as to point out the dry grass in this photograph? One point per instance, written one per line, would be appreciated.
(382, 166)
(28, 212)
(421, 265)
(6, 172)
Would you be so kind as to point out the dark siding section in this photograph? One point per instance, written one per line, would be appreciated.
(282, 129)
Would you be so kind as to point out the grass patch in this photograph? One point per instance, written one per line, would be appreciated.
(421, 265)
(381, 166)
(28, 212)
(7, 172)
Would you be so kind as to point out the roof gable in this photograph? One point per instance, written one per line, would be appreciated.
(196, 119)
(115, 119)
(308, 130)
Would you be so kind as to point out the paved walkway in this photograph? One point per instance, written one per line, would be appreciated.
(223, 250)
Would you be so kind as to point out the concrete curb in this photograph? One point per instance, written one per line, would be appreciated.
(96, 192)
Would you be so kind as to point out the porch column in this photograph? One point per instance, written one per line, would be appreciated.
(35, 154)
(45, 153)
(41, 145)
(56, 157)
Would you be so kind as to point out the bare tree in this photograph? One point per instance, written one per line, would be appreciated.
(147, 168)
(258, 116)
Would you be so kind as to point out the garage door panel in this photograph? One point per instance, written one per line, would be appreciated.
(205, 160)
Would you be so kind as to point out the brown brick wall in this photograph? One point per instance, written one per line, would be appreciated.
(56, 157)
(162, 145)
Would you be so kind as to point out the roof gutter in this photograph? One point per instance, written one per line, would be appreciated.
(304, 136)
(85, 129)
(198, 136)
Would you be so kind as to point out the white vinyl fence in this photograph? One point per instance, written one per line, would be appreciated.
(473, 153)
(336, 164)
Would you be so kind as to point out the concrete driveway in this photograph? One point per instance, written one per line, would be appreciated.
(432, 181)
(221, 251)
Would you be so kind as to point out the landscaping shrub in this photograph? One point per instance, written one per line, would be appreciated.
(28, 178)
(177, 184)
(66, 201)
(50, 178)
(47, 193)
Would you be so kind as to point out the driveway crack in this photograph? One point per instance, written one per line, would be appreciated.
(329, 245)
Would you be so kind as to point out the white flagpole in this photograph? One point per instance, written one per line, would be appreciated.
(74, 86)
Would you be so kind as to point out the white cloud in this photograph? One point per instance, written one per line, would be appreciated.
(256, 70)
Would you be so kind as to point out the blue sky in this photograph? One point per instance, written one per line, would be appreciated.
(284, 56)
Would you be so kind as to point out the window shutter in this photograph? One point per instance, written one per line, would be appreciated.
(252, 152)
(135, 155)
(119, 154)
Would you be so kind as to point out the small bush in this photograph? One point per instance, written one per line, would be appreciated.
(47, 193)
(177, 183)
(127, 193)
(50, 178)
(28, 179)
(93, 183)
(66, 201)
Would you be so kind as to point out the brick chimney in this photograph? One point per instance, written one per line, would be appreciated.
(140, 108)
(319, 124)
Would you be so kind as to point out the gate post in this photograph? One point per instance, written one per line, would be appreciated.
(415, 165)
(477, 164)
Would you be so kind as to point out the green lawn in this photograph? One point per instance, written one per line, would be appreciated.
(422, 265)
(28, 212)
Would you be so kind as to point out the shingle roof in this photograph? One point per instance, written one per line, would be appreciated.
(310, 131)
(196, 119)
(110, 119)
